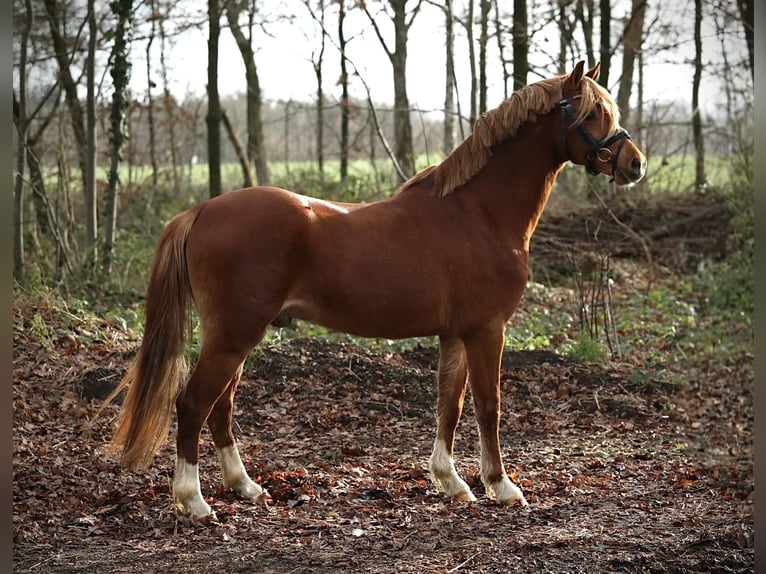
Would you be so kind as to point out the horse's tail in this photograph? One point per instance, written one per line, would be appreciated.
(157, 375)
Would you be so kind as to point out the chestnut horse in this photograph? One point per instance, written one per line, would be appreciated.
(447, 255)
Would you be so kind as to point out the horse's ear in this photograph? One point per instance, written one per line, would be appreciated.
(573, 81)
(594, 72)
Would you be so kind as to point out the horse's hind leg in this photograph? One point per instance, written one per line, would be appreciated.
(216, 367)
(233, 471)
(484, 352)
(451, 394)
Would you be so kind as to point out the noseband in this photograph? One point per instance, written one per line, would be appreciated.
(599, 150)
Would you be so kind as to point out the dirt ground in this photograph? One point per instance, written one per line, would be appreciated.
(622, 473)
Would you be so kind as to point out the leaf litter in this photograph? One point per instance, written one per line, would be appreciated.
(622, 474)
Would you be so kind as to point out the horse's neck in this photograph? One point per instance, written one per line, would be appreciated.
(518, 179)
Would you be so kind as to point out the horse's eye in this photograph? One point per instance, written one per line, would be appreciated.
(591, 116)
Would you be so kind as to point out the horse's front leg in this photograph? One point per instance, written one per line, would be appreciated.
(451, 381)
(484, 352)
(233, 470)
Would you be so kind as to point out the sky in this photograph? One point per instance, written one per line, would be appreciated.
(285, 70)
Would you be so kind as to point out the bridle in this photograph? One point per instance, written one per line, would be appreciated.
(599, 150)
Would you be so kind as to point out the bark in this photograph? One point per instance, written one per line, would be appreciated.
(632, 40)
(398, 57)
(21, 159)
(344, 101)
(213, 118)
(239, 149)
(586, 22)
(501, 49)
(448, 141)
(746, 12)
(91, 195)
(605, 43)
(485, 7)
(169, 104)
(150, 104)
(565, 35)
(255, 140)
(53, 13)
(520, 44)
(471, 64)
(120, 73)
(318, 65)
(699, 147)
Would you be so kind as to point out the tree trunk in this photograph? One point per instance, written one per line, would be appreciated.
(152, 195)
(120, 73)
(61, 48)
(255, 141)
(632, 40)
(91, 193)
(699, 147)
(402, 126)
(471, 65)
(565, 35)
(520, 44)
(586, 22)
(318, 65)
(21, 124)
(501, 50)
(344, 102)
(746, 12)
(484, 7)
(448, 141)
(213, 118)
(605, 47)
(169, 103)
(239, 150)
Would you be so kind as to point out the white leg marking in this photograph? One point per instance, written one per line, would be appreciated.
(445, 476)
(235, 476)
(503, 491)
(187, 494)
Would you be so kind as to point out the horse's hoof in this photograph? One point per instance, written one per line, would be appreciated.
(464, 496)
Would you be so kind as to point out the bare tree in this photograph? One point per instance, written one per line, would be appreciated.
(62, 47)
(520, 44)
(584, 14)
(632, 40)
(746, 11)
(484, 7)
(699, 147)
(566, 31)
(21, 126)
(448, 141)
(398, 57)
(605, 47)
(344, 101)
(255, 141)
(213, 117)
(91, 195)
(500, 37)
(120, 72)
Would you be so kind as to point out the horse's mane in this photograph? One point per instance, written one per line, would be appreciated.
(503, 122)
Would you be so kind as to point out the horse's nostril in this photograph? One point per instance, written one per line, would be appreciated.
(637, 166)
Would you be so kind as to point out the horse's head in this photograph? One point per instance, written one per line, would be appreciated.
(591, 130)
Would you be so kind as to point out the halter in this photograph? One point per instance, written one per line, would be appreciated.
(599, 150)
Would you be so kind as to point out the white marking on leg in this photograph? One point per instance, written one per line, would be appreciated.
(445, 476)
(503, 491)
(187, 494)
(235, 475)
